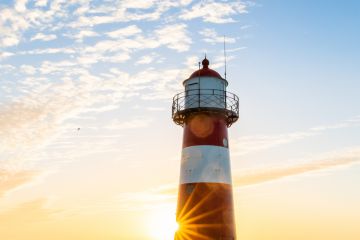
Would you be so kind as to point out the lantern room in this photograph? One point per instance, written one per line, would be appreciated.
(205, 90)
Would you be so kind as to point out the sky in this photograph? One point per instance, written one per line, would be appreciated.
(88, 149)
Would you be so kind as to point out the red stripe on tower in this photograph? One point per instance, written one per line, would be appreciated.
(205, 202)
(205, 129)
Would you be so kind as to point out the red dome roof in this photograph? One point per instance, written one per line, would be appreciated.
(205, 71)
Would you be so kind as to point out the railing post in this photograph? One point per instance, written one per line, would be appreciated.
(225, 99)
(199, 96)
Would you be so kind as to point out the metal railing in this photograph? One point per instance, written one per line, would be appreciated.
(208, 100)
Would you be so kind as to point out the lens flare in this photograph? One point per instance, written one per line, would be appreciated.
(162, 224)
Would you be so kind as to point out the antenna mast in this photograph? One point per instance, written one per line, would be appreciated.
(225, 57)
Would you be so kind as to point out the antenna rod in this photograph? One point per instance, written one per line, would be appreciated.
(199, 86)
(225, 57)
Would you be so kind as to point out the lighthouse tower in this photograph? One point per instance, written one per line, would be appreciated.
(205, 110)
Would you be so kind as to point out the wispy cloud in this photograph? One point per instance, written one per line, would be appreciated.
(21, 124)
(4, 55)
(43, 37)
(211, 36)
(36, 116)
(327, 162)
(85, 33)
(174, 36)
(125, 32)
(191, 62)
(145, 60)
(28, 69)
(16, 19)
(10, 179)
(245, 27)
(215, 12)
(235, 49)
(126, 41)
(123, 11)
(250, 144)
(48, 51)
(41, 3)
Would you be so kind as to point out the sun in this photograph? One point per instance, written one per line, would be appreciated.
(162, 224)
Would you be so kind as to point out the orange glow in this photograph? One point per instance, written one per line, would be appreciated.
(201, 125)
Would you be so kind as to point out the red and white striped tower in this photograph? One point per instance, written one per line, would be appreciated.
(205, 110)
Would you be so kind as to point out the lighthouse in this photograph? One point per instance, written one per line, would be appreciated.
(205, 110)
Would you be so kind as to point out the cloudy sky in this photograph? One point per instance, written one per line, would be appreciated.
(88, 149)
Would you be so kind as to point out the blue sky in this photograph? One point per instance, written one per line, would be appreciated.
(111, 69)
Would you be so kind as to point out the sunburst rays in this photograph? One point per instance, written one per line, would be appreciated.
(190, 221)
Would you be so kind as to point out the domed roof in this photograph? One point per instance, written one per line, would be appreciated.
(205, 71)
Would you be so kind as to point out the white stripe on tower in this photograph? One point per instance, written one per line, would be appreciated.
(205, 163)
